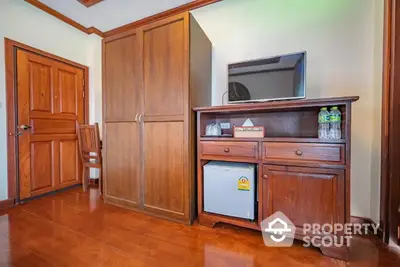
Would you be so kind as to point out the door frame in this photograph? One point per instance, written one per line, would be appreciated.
(11, 48)
(390, 145)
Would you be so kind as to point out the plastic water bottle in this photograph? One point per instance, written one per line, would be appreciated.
(335, 122)
(323, 121)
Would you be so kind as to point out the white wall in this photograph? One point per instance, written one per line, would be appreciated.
(343, 39)
(22, 22)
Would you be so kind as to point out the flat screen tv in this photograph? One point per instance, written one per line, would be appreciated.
(275, 78)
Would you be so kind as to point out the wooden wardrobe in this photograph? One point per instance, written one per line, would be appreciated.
(153, 77)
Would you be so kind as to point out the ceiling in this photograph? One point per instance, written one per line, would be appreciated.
(110, 14)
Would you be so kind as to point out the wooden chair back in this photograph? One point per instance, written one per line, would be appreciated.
(89, 143)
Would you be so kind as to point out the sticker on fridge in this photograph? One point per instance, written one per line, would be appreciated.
(243, 184)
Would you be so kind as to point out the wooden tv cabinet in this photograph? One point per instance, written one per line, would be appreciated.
(306, 178)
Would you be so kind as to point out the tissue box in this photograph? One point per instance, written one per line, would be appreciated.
(248, 131)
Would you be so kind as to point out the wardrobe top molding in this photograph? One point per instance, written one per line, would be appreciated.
(90, 30)
(279, 105)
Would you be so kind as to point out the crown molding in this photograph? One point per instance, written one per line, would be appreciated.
(174, 11)
(92, 30)
(89, 3)
(54, 13)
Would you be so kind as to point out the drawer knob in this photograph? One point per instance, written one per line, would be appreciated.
(226, 150)
(265, 176)
(299, 153)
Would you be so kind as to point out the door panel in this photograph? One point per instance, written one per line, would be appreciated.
(122, 103)
(304, 195)
(50, 101)
(54, 126)
(164, 178)
(40, 89)
(122, 79)
(69, 163)
(68, 91)
(41, 166)
(164, 69)
(122, 167)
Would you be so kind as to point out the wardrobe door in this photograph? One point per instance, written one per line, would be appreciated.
(165, 89)
(121, 108)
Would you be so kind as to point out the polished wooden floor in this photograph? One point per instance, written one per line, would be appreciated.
(77, 229)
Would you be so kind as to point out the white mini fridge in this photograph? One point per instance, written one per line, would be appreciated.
(230, 189)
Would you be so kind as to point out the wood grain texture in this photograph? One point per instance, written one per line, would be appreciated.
(99, 234)
(305, 177)
(41, 167)
(239, 150)
(7, 203)
(165, 181)
(390, 185)
(304, 152)
(69, 162)
(122, 104)
(122, 77)
(279, 105)
(89, 3)
(158, 89)
(305, 195)
(11, 52)
(64, 18)
(89, 152)
(122, 163)
(52, 126)
(200, 95)
(394, 129)
(386, 75)
(43, 90)
(160, 16)
(164, 57)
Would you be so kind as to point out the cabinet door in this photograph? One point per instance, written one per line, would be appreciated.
(165, 68)
(166, 158)
(122, 78)
(122, 164)
(304, 195)
(165, 181)
(122, 105)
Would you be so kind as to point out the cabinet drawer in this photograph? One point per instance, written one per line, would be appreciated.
(303, 152)
(232, 150)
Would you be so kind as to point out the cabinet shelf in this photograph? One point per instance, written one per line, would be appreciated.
(275, 139)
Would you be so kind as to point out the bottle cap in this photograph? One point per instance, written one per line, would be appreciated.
(324, 108)
(334, 108)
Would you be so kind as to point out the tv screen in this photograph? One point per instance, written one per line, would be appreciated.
(275, 78)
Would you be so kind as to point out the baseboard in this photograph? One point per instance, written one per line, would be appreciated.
(361, 220)
(7, 203)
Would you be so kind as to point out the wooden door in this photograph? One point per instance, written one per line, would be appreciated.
(304, 195)
(50, 101)
(165, 90)
(122, 105)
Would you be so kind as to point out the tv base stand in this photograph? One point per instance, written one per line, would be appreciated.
(306, 178)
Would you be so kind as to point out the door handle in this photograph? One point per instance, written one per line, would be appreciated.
(299, 152)
(136, 117)
(24, 127)
(140, 118)
(15, 134)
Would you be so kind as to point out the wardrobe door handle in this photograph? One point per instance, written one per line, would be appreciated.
(140, 118)
(226, 150)
(299, 152)
(136, 120)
